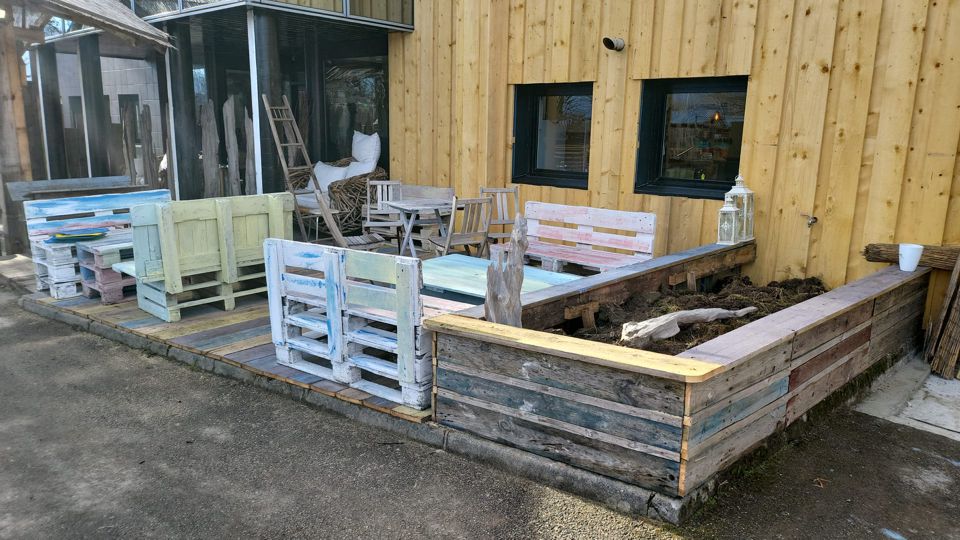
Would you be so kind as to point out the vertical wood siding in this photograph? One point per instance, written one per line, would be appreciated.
(852, 115)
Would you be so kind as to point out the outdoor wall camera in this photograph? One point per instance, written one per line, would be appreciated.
(613, 43)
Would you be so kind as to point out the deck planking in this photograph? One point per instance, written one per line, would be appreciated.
(239, 338)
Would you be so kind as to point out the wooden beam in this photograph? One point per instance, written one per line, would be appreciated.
(14, 143)
(96, 115)
(52, 110)
(184, 113)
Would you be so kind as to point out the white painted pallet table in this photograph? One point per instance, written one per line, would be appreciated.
(56, 264)
(360, 311)
(188, 253)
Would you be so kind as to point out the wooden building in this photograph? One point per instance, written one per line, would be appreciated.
(851, 114)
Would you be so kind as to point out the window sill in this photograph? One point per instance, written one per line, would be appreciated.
(551, 181)
(666, 190)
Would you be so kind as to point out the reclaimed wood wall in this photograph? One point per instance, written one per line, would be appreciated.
(852, 112)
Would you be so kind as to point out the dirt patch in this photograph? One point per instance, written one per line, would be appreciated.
(735, 293)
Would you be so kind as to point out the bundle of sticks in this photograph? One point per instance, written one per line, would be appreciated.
(943, 338)
(940, 257)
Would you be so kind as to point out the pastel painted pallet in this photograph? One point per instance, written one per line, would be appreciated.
(177, 239)
(554, 255)
(670, 423)
(156, 299)
(360, 311)
(58, 263)
(96, 260)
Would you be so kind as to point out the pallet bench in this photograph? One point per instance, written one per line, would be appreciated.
(189, 253)
(362, 312)
(56, 264)
(554, 255)
(96, 261)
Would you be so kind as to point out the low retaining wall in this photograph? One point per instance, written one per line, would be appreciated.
(668, 423)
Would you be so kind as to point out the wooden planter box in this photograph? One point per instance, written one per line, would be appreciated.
(188, 253)
(669, 424)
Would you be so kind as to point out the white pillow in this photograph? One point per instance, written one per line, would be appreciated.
(360, 167)
(327, 174)
(366, 147)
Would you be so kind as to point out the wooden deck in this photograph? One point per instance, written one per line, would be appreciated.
(239, 338)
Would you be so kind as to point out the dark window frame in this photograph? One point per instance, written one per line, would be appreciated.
(649, 178)
(525, 121)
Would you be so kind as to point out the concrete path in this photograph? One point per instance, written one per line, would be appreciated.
(98, 440)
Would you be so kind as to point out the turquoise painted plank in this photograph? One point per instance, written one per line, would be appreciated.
(468, 275)
(92, 203)
(738, 410)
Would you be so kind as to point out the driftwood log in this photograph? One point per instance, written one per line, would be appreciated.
(940, 257)
(233, 152)
(151, 170)
(129, 140)
(210, 145)
(639, 334)
(505, 279)
(250, 169)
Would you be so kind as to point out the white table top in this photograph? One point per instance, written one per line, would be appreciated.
(419, 205)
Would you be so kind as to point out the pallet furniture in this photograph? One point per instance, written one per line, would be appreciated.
(378, 217)
(189, 253)
(554, 255)
(96, 267)
(670, 424)
(359, 313)
(57, 266)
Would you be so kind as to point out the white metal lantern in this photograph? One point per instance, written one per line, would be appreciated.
(743, 199)
(729, 222)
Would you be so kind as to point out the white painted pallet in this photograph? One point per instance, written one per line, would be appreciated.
(361, 311)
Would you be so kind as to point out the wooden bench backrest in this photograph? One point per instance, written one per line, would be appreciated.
(111, 210)
(181, 238)
(587, 219)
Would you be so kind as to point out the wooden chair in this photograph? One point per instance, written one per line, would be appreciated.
(470, 229)
(379, 218)
(504, 213)
(363, 242)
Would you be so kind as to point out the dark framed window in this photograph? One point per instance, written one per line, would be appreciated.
(690, 136)
(552, 134)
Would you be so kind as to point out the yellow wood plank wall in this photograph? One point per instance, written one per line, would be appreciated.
(853, 112)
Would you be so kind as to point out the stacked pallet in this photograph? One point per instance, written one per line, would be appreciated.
(943, 342)
(189, 253)
(96, 261)
(56, 264)
(359, 314)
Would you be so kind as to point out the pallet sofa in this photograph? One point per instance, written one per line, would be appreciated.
(361, 312)
(57, 266)
(578, 226)
(189, 253)
(668, 424)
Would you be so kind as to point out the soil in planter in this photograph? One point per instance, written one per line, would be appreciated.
(734, 293)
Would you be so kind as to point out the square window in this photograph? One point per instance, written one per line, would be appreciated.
(690, 136)
(552, 134)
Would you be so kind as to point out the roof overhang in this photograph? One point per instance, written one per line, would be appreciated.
(107, 15)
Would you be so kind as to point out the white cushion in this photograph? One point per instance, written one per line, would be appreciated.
(366, 148)
(306, 199)
(360, 167)
(327, 174)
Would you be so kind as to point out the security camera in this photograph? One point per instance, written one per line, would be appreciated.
(613, 43)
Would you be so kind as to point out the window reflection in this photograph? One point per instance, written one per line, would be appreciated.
(702, 135)
(563, 133)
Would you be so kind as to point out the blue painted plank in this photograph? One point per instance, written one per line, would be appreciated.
(468, 275)
(92, 203)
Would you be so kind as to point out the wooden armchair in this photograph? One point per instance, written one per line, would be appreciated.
(378, 216)
(504, 213)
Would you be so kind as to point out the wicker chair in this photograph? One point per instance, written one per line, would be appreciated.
(348, 196)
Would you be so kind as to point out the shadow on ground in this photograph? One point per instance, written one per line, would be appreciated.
(100, 440)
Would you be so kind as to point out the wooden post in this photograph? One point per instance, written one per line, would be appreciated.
(96, 116)
(184, 117)
(52, 111)
(230, 142)
(505, 279)
(14, 144)
(313, 70)
(149, 158)
(250, 169)
(210, 141)
(268, 82)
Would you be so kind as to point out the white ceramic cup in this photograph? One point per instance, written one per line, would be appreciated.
(910, 256)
